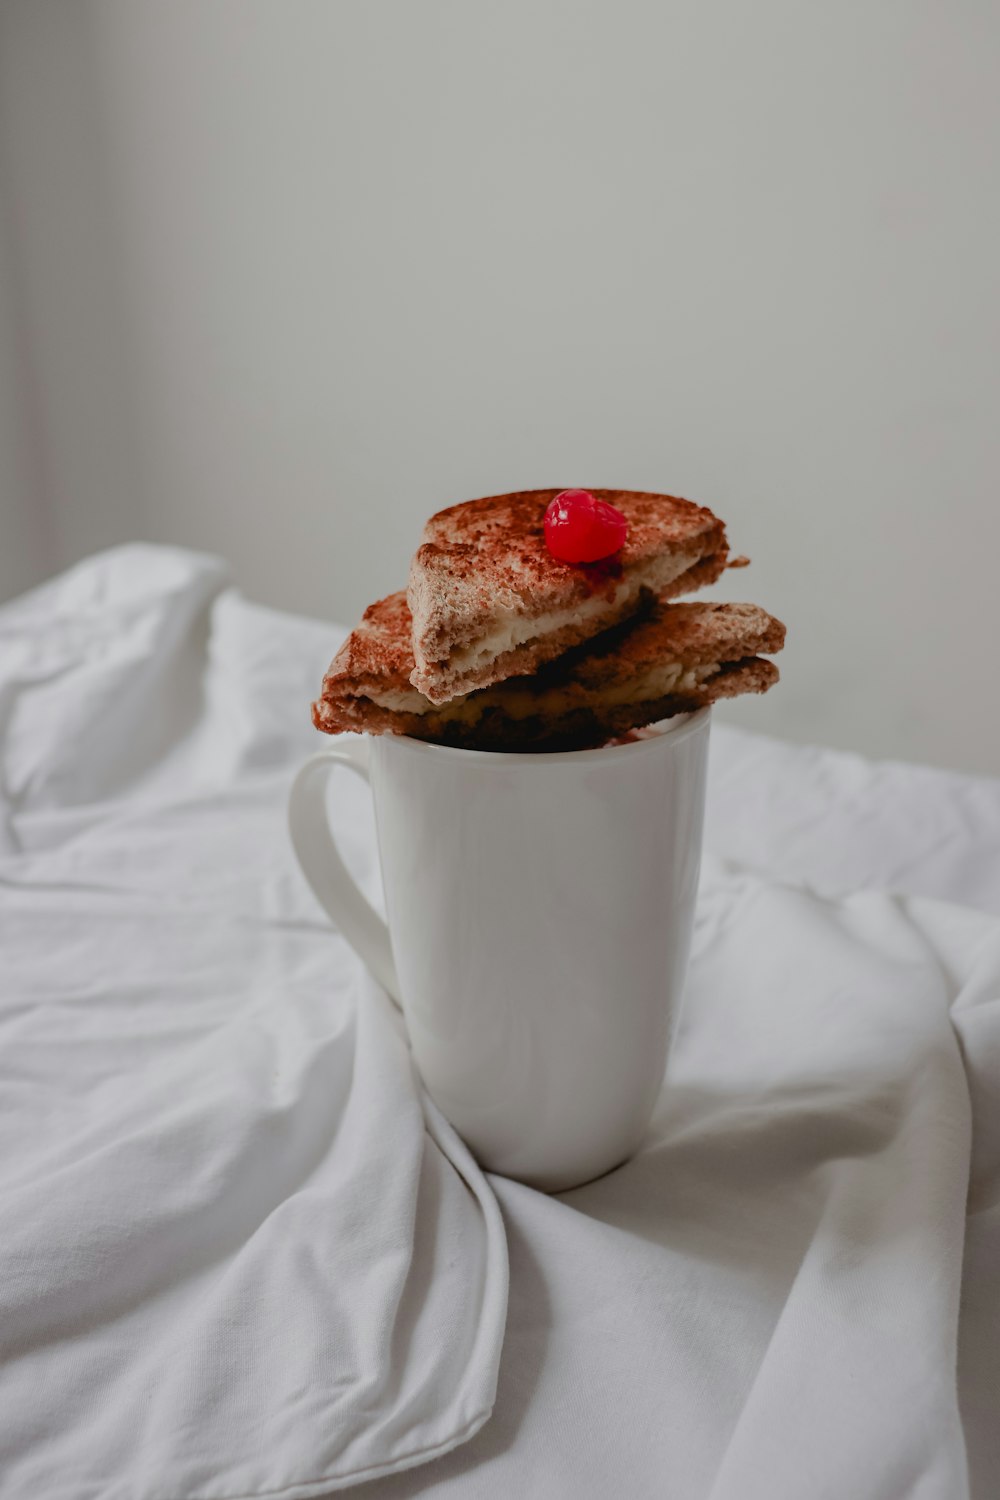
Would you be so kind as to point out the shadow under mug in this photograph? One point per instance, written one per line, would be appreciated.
(540, 910)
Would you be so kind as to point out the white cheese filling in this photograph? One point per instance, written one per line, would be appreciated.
(405, 701)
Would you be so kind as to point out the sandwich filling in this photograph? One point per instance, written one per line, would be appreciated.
(519, 700)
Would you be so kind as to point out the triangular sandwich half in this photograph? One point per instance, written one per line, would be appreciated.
(489, 601)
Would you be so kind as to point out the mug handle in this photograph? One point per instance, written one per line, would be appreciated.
(324, 869)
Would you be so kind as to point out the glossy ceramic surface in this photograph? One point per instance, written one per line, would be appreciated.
(541, 909)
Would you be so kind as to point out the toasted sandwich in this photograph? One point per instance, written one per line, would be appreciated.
(489, 601)
(674, 659)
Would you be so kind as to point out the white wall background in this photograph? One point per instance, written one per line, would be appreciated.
(279, 277)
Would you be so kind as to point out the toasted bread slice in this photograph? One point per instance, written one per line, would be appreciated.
(489, 601)
(673, 660)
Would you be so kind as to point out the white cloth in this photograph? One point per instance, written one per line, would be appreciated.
(838, 823)
(241, 1265)
(232, 1259)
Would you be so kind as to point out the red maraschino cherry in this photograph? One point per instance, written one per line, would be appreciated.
(579, 528)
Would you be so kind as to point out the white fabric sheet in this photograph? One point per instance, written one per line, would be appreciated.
(233, 1260)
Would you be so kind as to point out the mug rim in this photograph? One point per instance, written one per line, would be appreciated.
(688, 725)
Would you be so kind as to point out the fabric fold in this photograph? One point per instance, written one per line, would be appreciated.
(236, 1256)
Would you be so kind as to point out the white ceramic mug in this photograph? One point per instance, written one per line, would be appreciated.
(541, 909)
